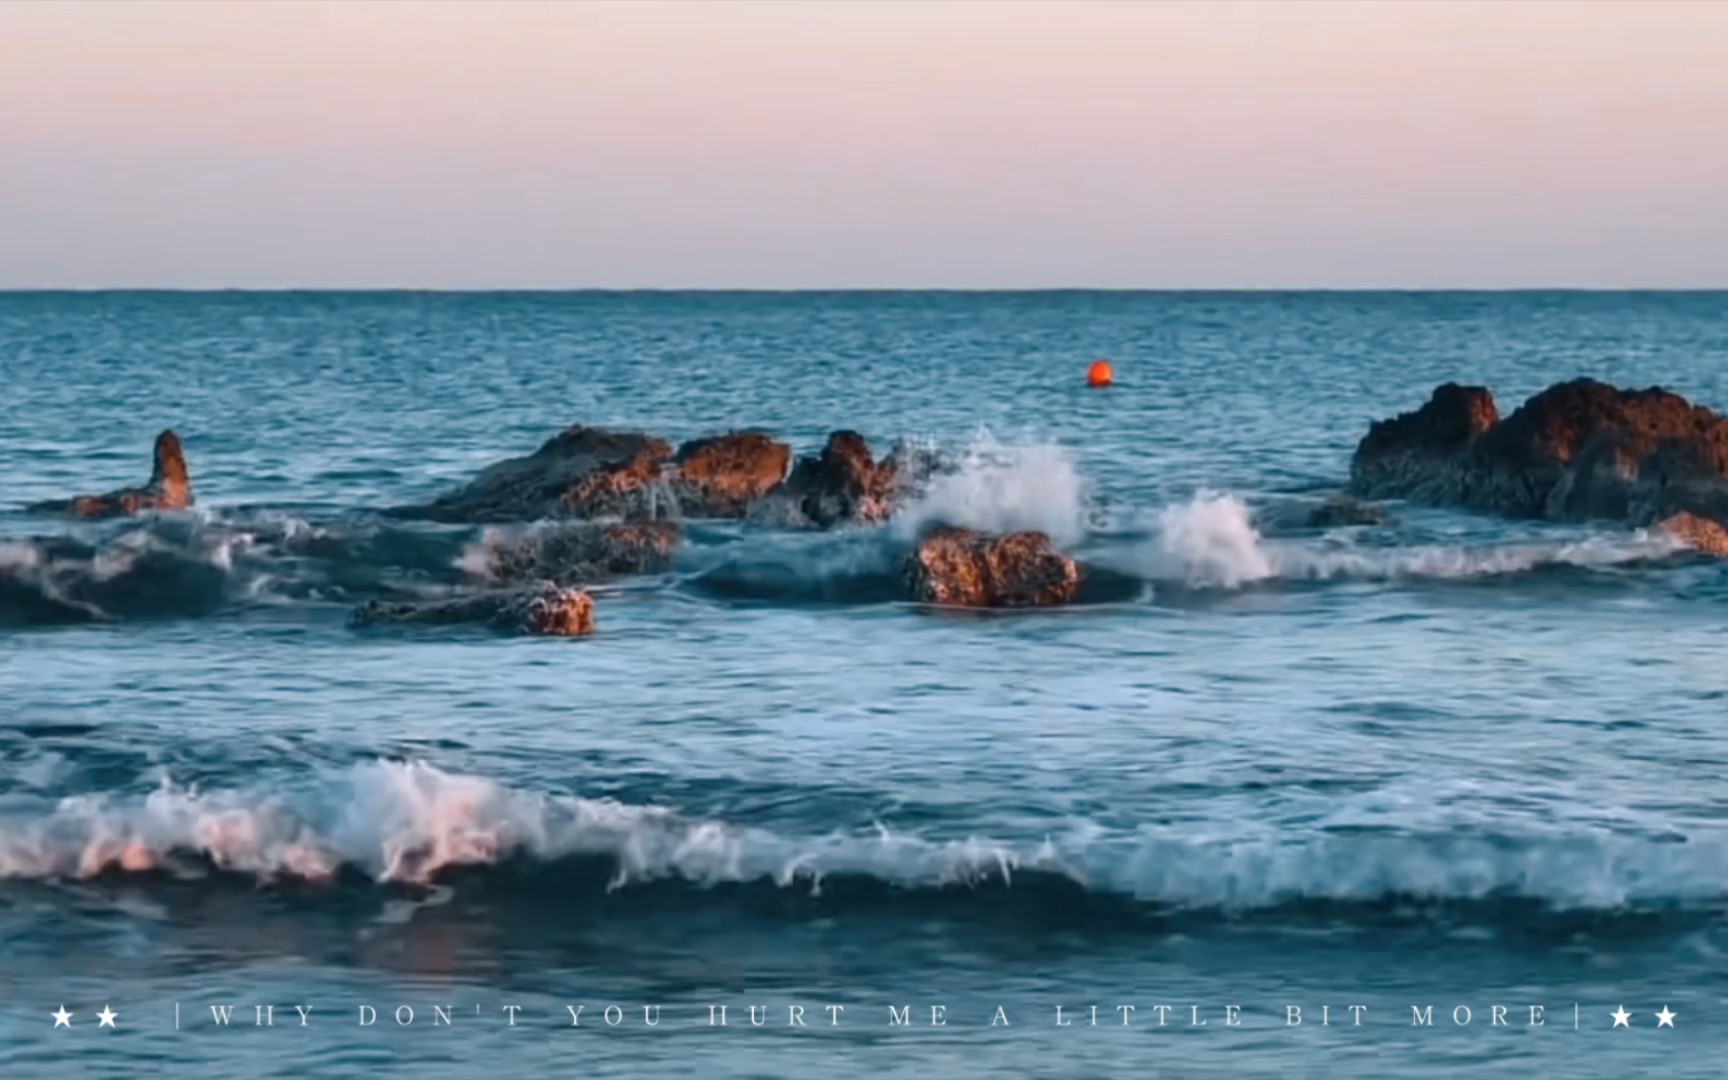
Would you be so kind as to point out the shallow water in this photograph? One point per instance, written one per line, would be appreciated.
(1446, 761)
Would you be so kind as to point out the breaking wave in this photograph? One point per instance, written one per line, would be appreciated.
(182, 565)
(413, 824)
(1211, 542)
(994, 487)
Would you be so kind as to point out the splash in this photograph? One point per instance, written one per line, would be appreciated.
(1000, 488)
(1211, 542)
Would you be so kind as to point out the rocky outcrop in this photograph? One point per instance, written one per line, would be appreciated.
(720, 477)
(843, 484)
(1577, 450)
(1422, 455)
(962, 567)
(170, 488)
(581, 472)
(546, 610)
(1700, 534)
(570, 553)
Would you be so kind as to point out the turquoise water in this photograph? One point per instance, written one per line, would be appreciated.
(1450, 760)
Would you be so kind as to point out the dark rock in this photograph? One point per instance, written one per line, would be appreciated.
(720, 477)
(842, 484)
(170, 488)
(1342, 510)
(581, 472)
(1419, 455)
(1580, 449)
(546, 610)
(570, 553)
(959, 566)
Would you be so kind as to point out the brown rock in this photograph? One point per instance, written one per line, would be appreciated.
(545, 610)
(170, 488)
(570, 553)
(959, 566)
(844, 483)
(1580, 449)
(722, 476)
(1702, 534)
(581, 472)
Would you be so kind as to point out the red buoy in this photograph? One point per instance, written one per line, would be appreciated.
(1099, 374)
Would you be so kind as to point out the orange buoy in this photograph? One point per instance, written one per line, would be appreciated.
(1099, 374)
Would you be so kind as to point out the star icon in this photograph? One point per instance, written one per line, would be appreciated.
(106, 1016)
(62, 1019)
(1622, 1018)
(1665, 1018)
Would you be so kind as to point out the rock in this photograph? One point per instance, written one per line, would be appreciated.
(170, 488)
(1577, 450)
(545, 610)
(1702, 534)
(722, 476)
(569, 553)
(582, 472)
(1420, 455)
(1342, 510)
(842, 484)
(959, 566)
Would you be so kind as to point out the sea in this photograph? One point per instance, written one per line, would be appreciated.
(1434, 796)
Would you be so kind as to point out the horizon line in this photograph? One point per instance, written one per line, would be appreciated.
(564, 290)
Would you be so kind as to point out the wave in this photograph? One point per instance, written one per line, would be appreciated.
(412, 824)
(194, 564)
(1211, 542)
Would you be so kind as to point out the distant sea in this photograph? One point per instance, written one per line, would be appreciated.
(1447, 762)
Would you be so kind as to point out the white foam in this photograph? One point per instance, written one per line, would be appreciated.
(1211, 542)
(405, 822)
(1000, 488)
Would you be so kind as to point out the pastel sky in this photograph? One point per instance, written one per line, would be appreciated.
(863, 144)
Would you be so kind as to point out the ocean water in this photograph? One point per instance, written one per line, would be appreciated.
(1446, 762)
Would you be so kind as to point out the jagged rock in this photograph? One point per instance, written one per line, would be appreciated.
(1579, 449)
(959, 566)
(1342, 510)
(546, 610)
(170, 488)
(1702, 534)
(842, 484)
(723, 475)
(1420, 455)
(569, 553)
(581, 472)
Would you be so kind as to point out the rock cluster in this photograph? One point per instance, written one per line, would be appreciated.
(1577, 450)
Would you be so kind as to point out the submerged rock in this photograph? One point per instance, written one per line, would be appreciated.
(170, 488)
(722, 476)
(546, 610)
(570, 553)
(1577, 450)
(1342, 510)
(959, 566)
(1701, 534)
(581, 472)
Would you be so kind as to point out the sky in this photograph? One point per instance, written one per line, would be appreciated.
(874, 144)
